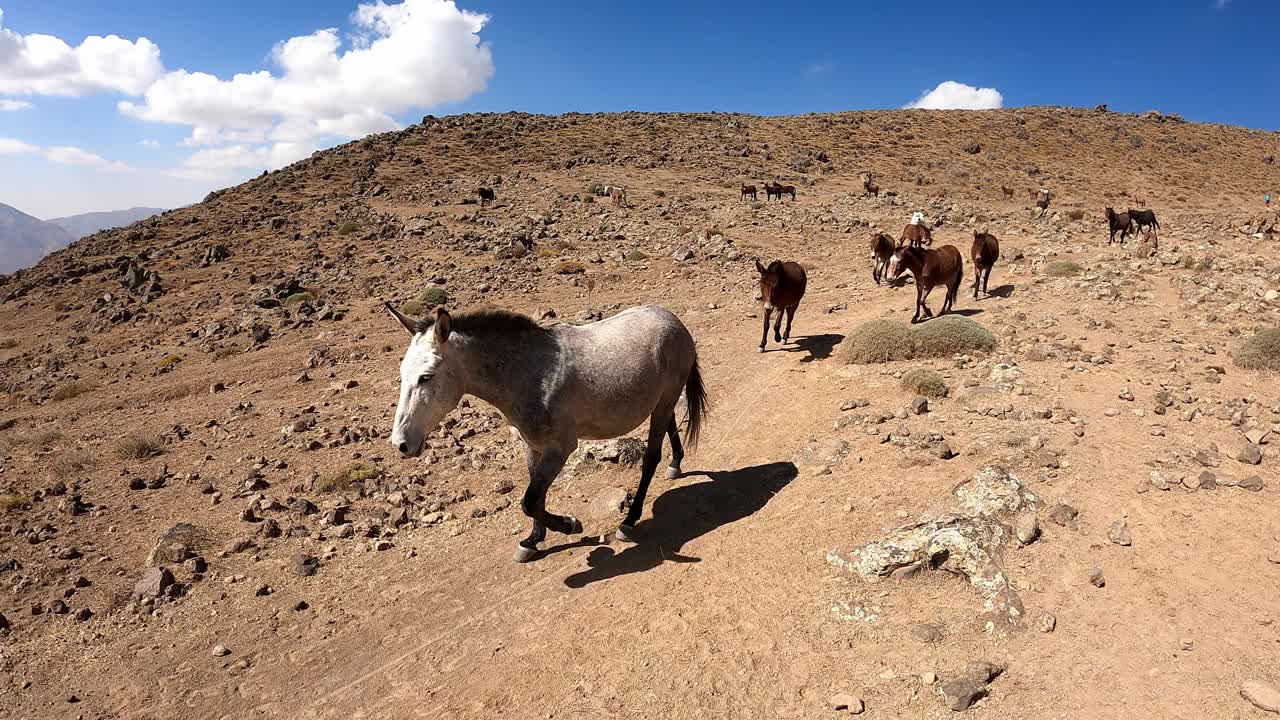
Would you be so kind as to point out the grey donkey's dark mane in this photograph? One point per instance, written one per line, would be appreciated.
(485, 321)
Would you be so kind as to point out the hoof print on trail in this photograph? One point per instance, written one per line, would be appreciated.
(967, 540)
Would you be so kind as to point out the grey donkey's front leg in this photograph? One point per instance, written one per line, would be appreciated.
(543, 469)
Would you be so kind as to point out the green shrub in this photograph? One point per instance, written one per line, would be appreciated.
(1062, 268)
(570, 267)
(923, 381)
(659, 193)
(595, 188)
(434, 296)
(347, 228)
(876, 341)
(299, 297)
(414, 308)
(636, 256)
(950, 334)
(139, 447)
(1260, 352)
(70, 389)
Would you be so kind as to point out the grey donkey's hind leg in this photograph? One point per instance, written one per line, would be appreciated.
(543, 468)
(652, 454)
(677, 450)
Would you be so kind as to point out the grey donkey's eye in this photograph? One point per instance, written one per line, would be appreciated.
(425, 378)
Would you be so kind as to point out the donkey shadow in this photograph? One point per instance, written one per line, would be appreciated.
(1004, 291)
(685, 513)
(819, 347)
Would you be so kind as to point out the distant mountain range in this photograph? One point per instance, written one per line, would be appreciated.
(24, 239)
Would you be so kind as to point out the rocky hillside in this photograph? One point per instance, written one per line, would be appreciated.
(202, 510)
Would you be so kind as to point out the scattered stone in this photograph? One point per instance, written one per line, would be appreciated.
(1207, 481)
(1126, 394)
(927, 633)
(1119, 534)
(850, 703)
(1250, 454)
(1263, 696)
(920, 406)
(1096, 577)
(1208, 458)
(1065, 515)
(220, 651)
(962, 691)
(1046, 622)
(305, 565)
(1027, 527)
(301, 605)
(610, 504)
(153, 583)
(1253, 483)
(503, 486)
(262, 591)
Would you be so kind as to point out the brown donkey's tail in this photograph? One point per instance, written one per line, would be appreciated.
(696, 406)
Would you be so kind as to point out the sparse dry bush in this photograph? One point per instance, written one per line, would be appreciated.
(876, 341)
(358, 471)
(71, 389)
(570, 267)
(8, 343)
(68, 464)
(12, 501)
(433, 296)
(347, 228)
(924, 381)
(950, 334)
(1260, 352)
(139, 447)
(1062, 268)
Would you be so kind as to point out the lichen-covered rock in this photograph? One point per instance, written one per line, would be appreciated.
(967, 542)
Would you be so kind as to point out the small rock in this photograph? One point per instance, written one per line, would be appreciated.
(153, 583)
(1096, 577)
(1027, 527)
(1119, 534)
(262, 591)
(1250, 454)
(1187, 644)
(1065, 515)
(1126, 394)
(962, 692)
(1263, 696)
(850, 703)
(1207, 481)
(610, 504)
(305, 565)
(1046, 622)
(920, 406)
(927, 633)
(1253, 483)
(220, 651)
(503, 486)
(943, 451)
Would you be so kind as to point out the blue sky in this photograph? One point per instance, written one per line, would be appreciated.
(71, 146)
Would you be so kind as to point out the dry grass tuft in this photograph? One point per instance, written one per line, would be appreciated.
(1062, 268)
(924, 381)
(876, 341)
(70, 389)
(12, 501)
(358, 471)
(71, 463)
(139, 447)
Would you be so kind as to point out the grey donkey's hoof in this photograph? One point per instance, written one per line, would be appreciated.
(524, 554)
(575, 525)
(761, 348)
(673, 472)
(626, 533)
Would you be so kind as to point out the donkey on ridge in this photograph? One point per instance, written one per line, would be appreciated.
(554, 386)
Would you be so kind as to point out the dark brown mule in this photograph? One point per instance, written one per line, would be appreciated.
(782, 285)
(772, 190)
(1118, 223)
(984, 253)
(930, 268)
(1144, 219)
(1007, 191)
(882, 247)
(748, 191)
(870, 187)
(786, 190)
(1043, 202)
(486, 195)
(916, 235)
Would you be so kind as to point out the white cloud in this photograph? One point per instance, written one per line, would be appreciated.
(952, 95)
(45, 65)
(14, 105)
(68, 155)
(415, 54)
(150, 144)
(9, 145)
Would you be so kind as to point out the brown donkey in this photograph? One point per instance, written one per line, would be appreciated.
(916, 235)
(882, 248)
(1118, 223)
(782, 285)
(786, 190)
(930, 268)
(748, 191)
(985, 252)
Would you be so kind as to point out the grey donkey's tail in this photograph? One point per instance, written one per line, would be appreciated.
(695, 406)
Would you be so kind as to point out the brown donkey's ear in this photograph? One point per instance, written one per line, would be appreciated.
(759, 267)
(443, 325)
(409, 323)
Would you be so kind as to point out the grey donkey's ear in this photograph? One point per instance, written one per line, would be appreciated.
(443, 325)
(409, 323)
